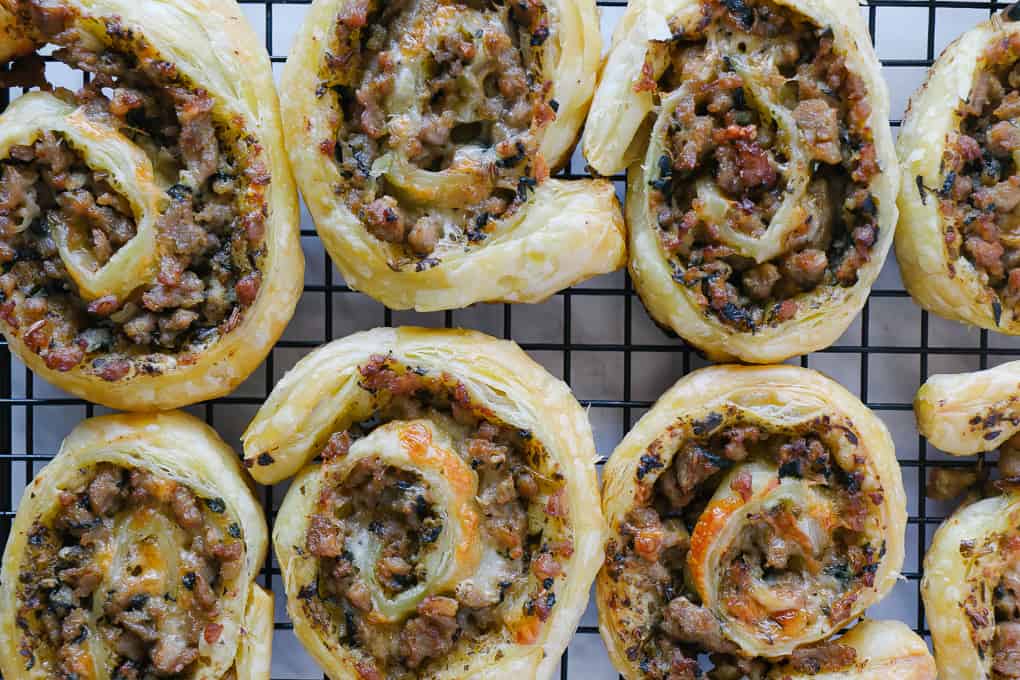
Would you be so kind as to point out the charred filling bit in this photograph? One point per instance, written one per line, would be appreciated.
(806, 576)
(476, 116)
(210, 235)
(102, 567)
(523, 518)
(979, 197)
(718, 133)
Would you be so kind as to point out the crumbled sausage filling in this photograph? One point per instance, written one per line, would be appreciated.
(131, 559)
(722, 133)
(210, 234)
(440, 93)
(779, 575)
(523, 517)
(980, 194)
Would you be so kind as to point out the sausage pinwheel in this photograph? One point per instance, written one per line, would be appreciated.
(452, 529)
(971, 584)
(148, 222)
(133, 555)
(753, 513)
(423, 134)
(760, 167)
(958, 243)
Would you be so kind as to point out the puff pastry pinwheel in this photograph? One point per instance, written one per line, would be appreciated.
(452, 529)
(753, 512)
(133, 555)
(958, 243)
(971, 583)
(149, 252)
(760, 168)
(423, 133)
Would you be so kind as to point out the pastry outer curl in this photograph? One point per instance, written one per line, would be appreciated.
(742, 240)
(437, 419)
(431, 188)
(111, 521)
(967, 413)
(784, 457)
(158, 203)
(956, 231)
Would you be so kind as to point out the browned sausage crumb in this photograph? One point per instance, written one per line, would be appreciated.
(823, 658)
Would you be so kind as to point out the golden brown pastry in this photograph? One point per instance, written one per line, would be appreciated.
(958, 234)
(452, 529)
(753, 513)
(134, 554)
(423, 134)
(760, 168)
(148, 222)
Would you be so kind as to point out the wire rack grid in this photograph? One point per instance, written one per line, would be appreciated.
(595, 336)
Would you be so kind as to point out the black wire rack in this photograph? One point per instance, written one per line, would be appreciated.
(596, 336)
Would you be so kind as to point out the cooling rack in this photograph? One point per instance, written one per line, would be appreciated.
(596, 336)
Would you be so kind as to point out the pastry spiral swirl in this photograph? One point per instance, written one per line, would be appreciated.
(958, 241)
(452, 529)
(760, 168)
(148, 222)
(134, 554)
(753, 512)
(423, 133)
